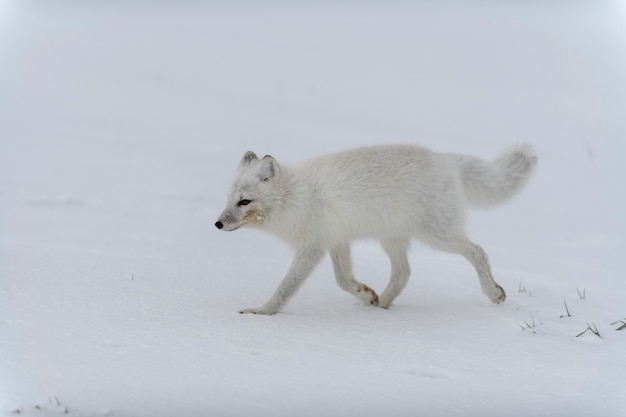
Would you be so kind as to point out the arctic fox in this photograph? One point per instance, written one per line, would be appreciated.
(391, 193)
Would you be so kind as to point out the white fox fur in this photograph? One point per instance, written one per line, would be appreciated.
(391, 193)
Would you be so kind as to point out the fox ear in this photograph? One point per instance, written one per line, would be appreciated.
(247, 158)
(269, 169)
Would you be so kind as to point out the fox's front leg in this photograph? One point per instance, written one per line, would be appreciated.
(304, 261)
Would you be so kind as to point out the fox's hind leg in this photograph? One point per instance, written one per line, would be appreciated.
(342, 264)
(400, 270)
(478, 258)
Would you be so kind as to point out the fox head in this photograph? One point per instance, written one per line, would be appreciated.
(254, 193)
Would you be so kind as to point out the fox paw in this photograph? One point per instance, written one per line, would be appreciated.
(367, 295)
(496, 294)
(258, 310)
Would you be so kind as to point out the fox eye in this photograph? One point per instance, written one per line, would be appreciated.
(244, 203)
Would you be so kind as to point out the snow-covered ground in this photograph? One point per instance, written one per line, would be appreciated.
(120, 129)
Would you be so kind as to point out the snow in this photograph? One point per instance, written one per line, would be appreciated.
(120, 129)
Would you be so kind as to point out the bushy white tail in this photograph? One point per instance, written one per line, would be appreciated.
(490, 183)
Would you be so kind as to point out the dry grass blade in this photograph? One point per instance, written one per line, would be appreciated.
(622, 327)
(593, 330)
(566, 310)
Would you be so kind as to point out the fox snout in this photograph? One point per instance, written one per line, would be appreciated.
(233, 220)
(223, 220)
(227, 222)
(226, 226)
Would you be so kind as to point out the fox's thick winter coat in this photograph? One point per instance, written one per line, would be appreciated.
(391, 193)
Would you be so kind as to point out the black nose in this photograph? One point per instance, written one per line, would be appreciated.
(219, 225)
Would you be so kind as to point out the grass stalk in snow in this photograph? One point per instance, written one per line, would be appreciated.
(593, 330)
(522, 288)
(566, 310)
(532, 325)
(622, 327)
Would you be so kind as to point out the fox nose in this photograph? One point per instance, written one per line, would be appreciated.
(219, 225)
